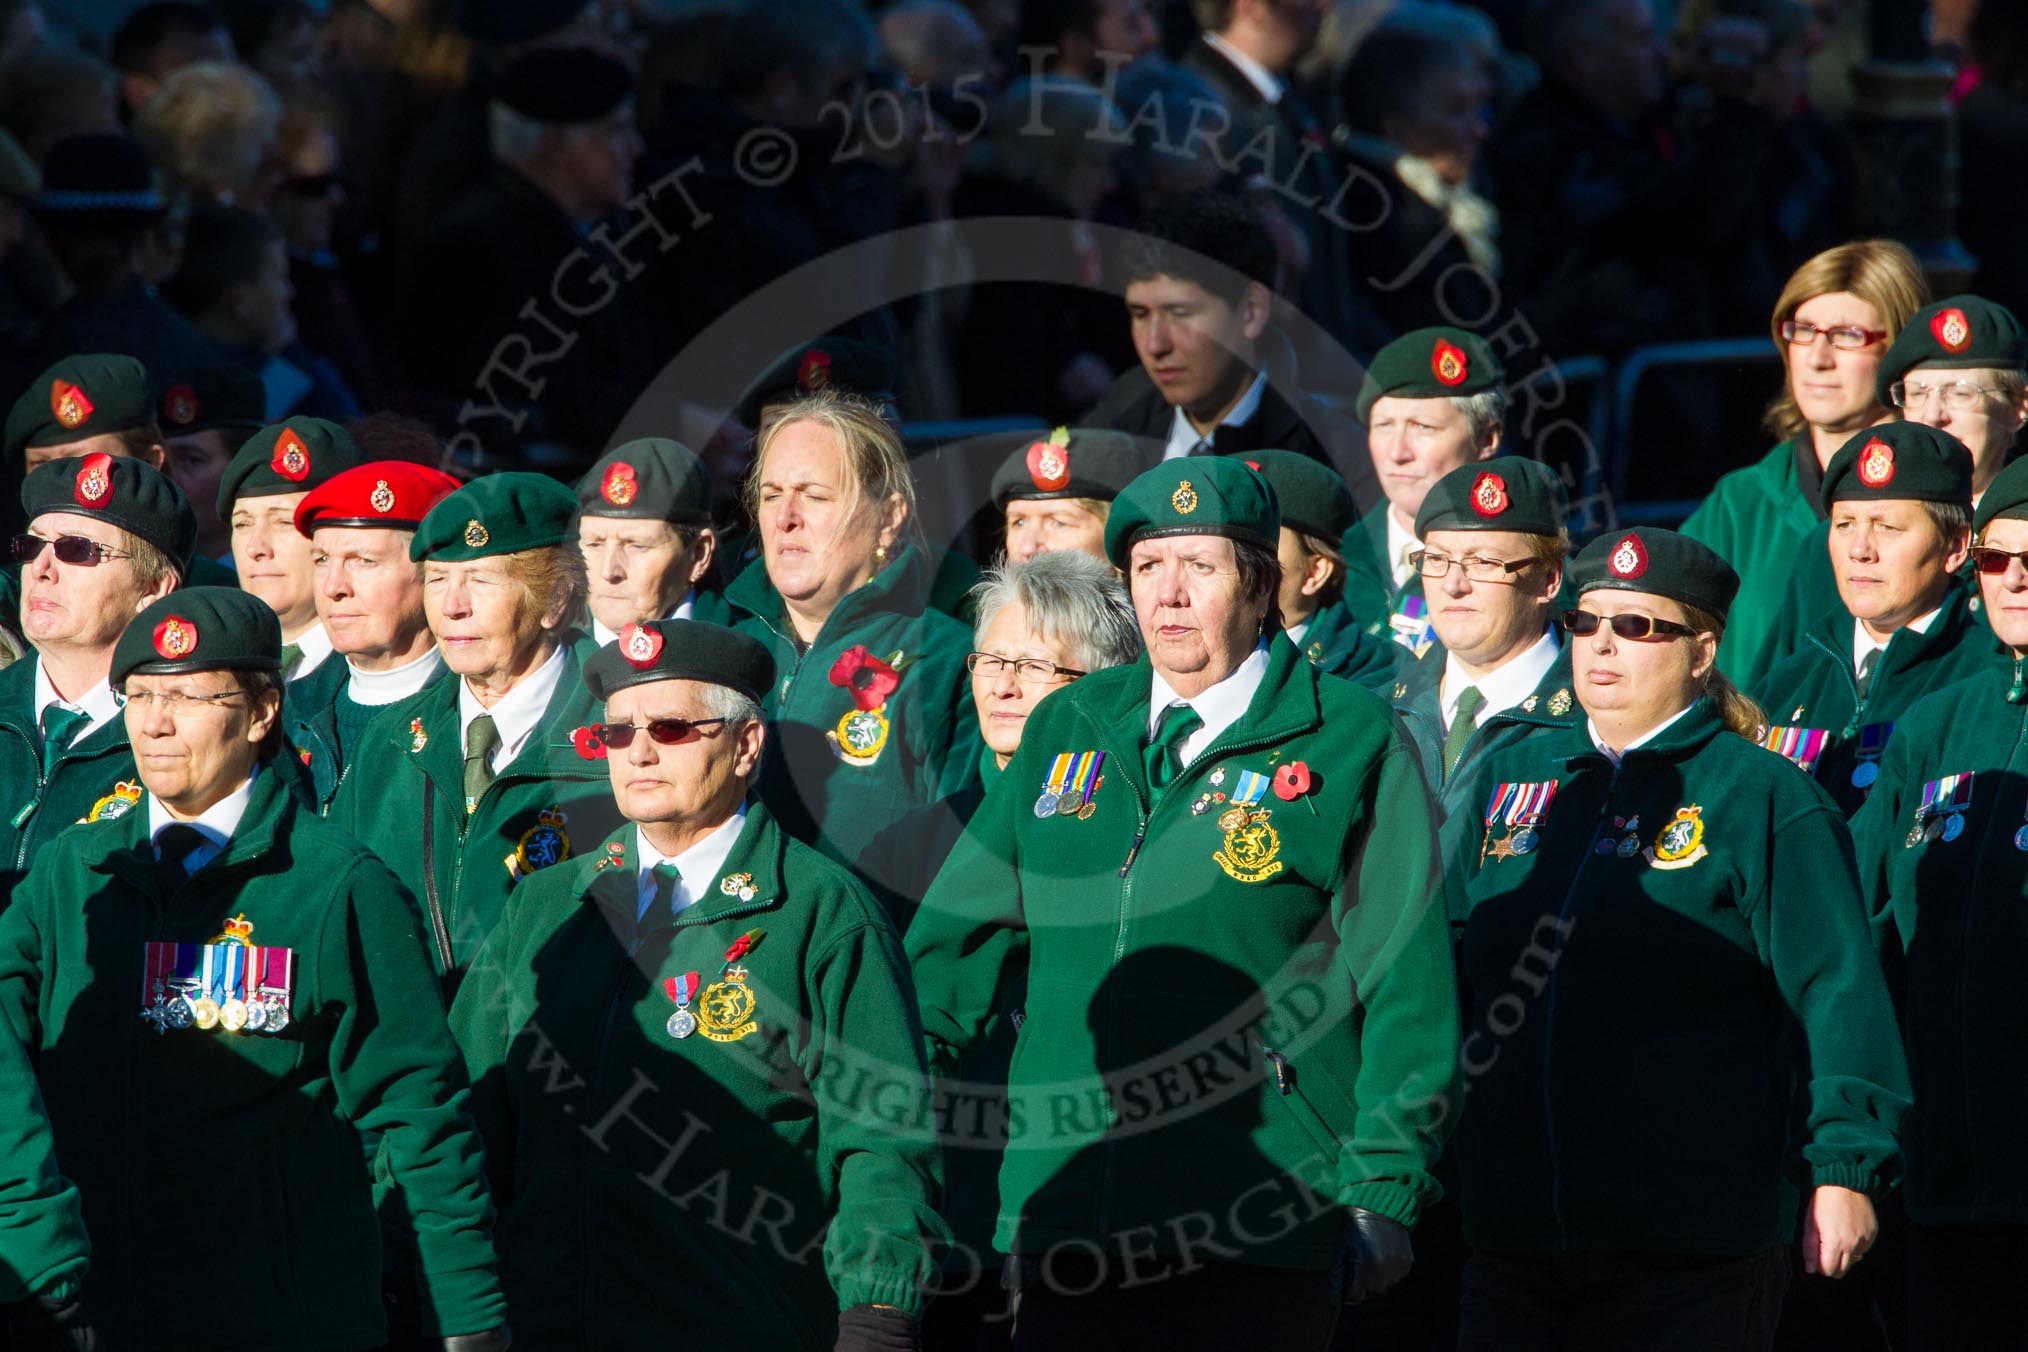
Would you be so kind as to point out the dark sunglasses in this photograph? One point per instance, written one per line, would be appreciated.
(1993, 562)
(666, 731)
(71, 549)
(1583, 624)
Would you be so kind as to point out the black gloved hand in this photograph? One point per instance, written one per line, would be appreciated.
(877, 1328)
(58, 1325)
(492, 1340)
(1376, 1255)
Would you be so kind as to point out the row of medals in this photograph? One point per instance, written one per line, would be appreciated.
(1930, 827)
(180, 1009)
(1064, 803)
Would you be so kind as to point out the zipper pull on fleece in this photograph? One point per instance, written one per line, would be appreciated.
(2017, 691)
(1140, 834)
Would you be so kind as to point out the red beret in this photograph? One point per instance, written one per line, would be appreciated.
(393, 494)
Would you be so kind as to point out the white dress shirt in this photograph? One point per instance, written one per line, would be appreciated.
(1864, 643)
(216, 823)
(700, 865)
(1220, 706)
(1184, 436)
(516, 713)
(1650, 735)
(1503, 687)
(96, 703)
(1401, 542)
(1260, 77)
(316, 646)
(683, 611)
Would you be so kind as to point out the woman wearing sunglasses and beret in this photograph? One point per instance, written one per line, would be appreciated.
(1943, 857)
(1676, 1019)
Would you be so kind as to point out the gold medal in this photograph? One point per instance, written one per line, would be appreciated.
(725, 1014)
(1231, 819)
(232, 1015)
(204, 1012)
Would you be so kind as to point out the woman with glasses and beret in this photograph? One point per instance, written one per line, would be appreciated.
(1943, 856)
(1676, 1017)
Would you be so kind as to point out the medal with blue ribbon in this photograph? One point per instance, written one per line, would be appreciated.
(1521, 808)
(1872, 745)
(1053, 788)
(1411, 626)
(683, 990)
(1941, 813)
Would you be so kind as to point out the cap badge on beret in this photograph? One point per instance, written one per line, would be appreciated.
(1629, 558)
(179, 405)
(640, 645)
(1876, 464)
(1489, 494)
(69, 403)
(476, 535)
(1049, 461)
(815, 371)
(382, 497)
(292, 457)
(1447, 361)
(620, 485)
(175, 637)
(1952, 329)
(94, 479)
(1184, 499)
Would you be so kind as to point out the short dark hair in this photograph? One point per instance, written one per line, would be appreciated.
(1388, 73)
(222, 247)
(256, 684)
(1260, 579)
(1204, 237)
(1044, 21)
(144, 32)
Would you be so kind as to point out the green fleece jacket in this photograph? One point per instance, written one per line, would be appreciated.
(405, 800)
(224, 1179)
(1337, 644)
(1231, 1022)
(735, 1187)
(1754, 519)
(1370, 594)
(1677, 1016)
(820, 795)
(43, 1250)
(1816, 688)
(34, 809)
(1947, 903)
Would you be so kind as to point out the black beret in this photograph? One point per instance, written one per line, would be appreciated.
(199, 629)
(652, 479)
(2006, 496)
(846, 365)
(1958, 333)
(129, 493)
(680, 650)
(1072, 462)
(1899, 461)
(500, 22)
(1313, 498)
(1661, 562)
(1510, 492)
(221, 397)
(1430, 363)
(1195, 495)
(101, 173)
(293, 456)
(82, 396)
(498, 514)
(566, 86)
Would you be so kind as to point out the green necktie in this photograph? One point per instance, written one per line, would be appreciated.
(291, 652)
(1161, 759)
(667, 879)
(1867, 666)
(59, 725)
(174, 843)
(1463, 723)
(480, 740)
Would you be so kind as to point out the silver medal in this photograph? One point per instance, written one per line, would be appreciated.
(682, 1023)
(1045, 806)
(278, 1015)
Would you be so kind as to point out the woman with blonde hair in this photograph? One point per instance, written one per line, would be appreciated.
(211, 129)
(1832, 325)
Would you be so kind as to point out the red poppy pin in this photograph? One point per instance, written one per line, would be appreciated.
(869, 679)
(620, 485)
(588, 743)
(1447, 361)
(1049, 462)
(1292, 781)
(743, 945)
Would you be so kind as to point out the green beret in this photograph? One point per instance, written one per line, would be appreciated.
(293, 456)
(82, 396)
(2006, 496)
(499, 514)
(842, 364)
(1314, 499)
(220, 397)
(1194, 495)
(1649, 559)
(199, 629)
(1958, 333)
(1071, 462)
(1510, 492)
(652, 479)
(128, 493)
(680, 650)
(1900, 461)
(1430, 364)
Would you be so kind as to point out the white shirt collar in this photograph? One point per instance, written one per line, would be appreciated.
(1650, 735)
(216, 823)
(1864, 643)
(517, 712)
(375, 688)
(1257, 75)
(97, 702)
(1220, 706)
(1296, 631)
(603, 635)
(700, 865)
(1401, 542)
(1183, 434)
(316, 646)
(1503, 687)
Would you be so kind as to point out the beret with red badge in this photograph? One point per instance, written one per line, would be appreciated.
(1659, 562)
(199, 629)
(680, 650)
(1313, 497)
(220, 397)
(380, 494)
(651, 479)
(293, 456)
(1900, 461)
(1957, 333)
(846, 365)
(1072, 462)
(125, 492)
(1508, 492)
(86, 395)
(1430, 363)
